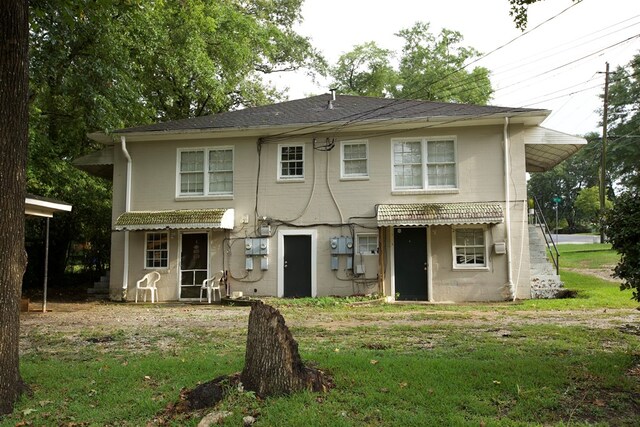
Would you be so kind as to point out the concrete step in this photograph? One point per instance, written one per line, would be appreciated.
(100, 288)
(545, 283)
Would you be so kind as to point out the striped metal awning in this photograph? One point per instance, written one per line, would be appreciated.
(422, 214)
(184, 219)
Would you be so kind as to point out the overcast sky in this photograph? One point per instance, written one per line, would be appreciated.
(558, 65)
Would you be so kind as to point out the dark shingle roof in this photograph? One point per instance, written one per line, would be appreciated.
(315, 110)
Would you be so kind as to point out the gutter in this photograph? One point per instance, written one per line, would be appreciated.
(507, 200)
(127, 208)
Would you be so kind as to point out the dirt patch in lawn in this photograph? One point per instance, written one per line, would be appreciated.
(94, 318)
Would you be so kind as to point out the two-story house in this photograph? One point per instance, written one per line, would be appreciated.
(330, 195)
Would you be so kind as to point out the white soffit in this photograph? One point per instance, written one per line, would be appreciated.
(546, 148)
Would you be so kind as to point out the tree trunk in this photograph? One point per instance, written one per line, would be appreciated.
(14, 27)
(272, 363)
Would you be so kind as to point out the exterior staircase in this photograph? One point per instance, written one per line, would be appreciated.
(545, 282)
(100, 289)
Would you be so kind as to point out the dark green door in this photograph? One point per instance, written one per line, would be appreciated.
(410, 263)
(297, 266)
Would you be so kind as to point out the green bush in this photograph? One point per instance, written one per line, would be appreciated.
(622, 227)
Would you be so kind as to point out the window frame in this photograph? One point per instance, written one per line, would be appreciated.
(147, 251)
(343, 160)
(425, 163)
(455, 246)
(209, 172)
(180, 172)
(290, 178)
(205, 173)
(368, 235)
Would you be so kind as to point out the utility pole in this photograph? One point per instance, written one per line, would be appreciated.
(603, 154)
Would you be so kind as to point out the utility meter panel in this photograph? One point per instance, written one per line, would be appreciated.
(256, 246)
(342, 245)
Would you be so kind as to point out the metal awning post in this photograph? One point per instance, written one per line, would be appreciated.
(46, 268)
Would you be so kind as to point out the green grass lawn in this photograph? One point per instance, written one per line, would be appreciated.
(501, 364)
(593, 292)
(588, 256)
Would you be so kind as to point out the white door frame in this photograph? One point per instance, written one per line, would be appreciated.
(314, 258)
(393, 263)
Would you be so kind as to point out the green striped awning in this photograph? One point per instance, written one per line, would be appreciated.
(184, 219)
(421, 214)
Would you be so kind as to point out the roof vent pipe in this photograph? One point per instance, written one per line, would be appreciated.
(333, 98)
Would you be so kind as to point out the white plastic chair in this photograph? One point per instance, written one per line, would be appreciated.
(148, 283)
(211, 286)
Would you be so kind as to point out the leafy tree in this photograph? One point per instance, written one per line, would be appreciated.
(623, 144)
(587, 206)
(108, 64)
(623, 230)
(433, 68)
(13, 154)
(519, 11)
(430, 67)
(365, 71)
(623, 155)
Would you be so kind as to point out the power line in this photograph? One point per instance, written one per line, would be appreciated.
(545, 55)
(412, 95)
(574, 61)
(370, 114)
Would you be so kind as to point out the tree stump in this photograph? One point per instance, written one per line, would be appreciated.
(272, 363)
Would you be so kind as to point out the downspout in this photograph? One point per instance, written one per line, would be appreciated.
(507, 201)
(127, 208)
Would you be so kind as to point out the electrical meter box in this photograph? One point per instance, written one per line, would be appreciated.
(256, 246)
(265, 230)
(342, 245)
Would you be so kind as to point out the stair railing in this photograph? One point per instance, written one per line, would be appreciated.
(541, 221)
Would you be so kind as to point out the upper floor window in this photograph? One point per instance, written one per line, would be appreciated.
(469, 247)
(221, 171)
(355, 159)
(291, 162)
(157, 250)
(424, 163)
(205, 172)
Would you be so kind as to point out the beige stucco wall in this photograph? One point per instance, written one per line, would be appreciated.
(323, 199)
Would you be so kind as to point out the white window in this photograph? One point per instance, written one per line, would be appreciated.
(367, 243)
(441, 163)
(192, 172)
(424, 163)
(221, 171)
(156, 250)
(355, 159)
(291, 162)
(407, 164)
(205, 172)
(469, 247)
